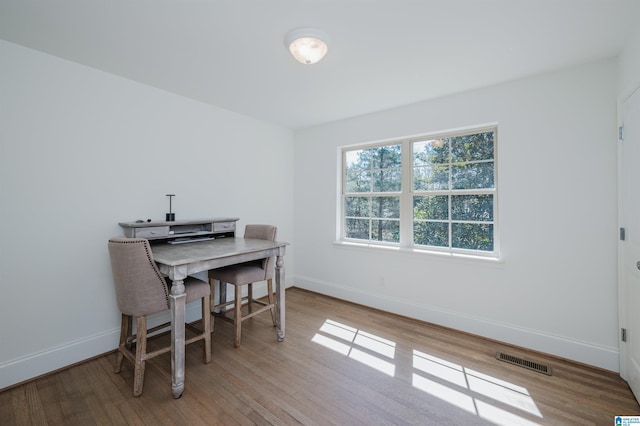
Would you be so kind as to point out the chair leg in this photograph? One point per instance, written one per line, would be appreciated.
(271, 300)
(249, 295)
(141, 351)
(124, 333)
(206, 324)
(237, 314)
(222, 292)
(212, 295)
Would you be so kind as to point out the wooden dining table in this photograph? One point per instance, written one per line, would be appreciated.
(177, 261)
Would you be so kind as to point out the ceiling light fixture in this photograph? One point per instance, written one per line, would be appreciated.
(307, 45)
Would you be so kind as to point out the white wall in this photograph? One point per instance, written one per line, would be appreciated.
(629, 65)
(80, 151)
(555, 287)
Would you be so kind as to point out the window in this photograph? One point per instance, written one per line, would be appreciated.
(436, 192)
(373, 183)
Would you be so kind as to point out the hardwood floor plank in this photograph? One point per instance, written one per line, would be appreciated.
(72, 401)
(34, 405)
(20, 406)
(7, 408)
(50, 389)
(339, 364)
(252, 382)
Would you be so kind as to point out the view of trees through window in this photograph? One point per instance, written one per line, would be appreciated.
(374, 178)
(449, 185)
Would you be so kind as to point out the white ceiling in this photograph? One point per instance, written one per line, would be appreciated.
(382, 54)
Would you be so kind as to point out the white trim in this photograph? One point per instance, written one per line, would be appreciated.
(18, 370)
(584, 352)
(622, 289)
(627, 365)
(418, 251)
(407, 194)
(632, 92)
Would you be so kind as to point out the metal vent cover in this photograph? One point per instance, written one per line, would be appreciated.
(531, 365)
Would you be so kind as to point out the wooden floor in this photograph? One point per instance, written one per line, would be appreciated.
(340, 364)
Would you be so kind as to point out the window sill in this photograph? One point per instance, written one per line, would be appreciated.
(420, 252)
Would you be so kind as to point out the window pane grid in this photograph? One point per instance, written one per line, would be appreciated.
(374, 217)
(372, 189)
(461, 170)
(449, 193)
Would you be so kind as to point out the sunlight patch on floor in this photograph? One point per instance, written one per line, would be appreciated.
(487, 397)
(507, 393)
(476, 389)
(367, 348)
(332, 344)
(446, 393)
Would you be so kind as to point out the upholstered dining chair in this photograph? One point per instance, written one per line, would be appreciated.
(141, 291)
(246, 274)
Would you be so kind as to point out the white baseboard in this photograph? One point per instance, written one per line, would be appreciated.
(583, 352)
(36, 364)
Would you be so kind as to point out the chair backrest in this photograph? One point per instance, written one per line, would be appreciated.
(140, 288)
(263, 232)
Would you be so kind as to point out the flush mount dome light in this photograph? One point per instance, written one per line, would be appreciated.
(307, 45)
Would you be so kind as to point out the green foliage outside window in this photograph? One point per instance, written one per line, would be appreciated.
(453, 192)
(373, 171)
(444, 169)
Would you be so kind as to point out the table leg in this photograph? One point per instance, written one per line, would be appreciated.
(177, 301)
(280, 308)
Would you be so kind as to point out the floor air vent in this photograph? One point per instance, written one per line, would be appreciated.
(540, 368)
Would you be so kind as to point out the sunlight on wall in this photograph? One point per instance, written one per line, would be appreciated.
(467, 389)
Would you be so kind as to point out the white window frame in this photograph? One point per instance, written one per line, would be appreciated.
(407, 194)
